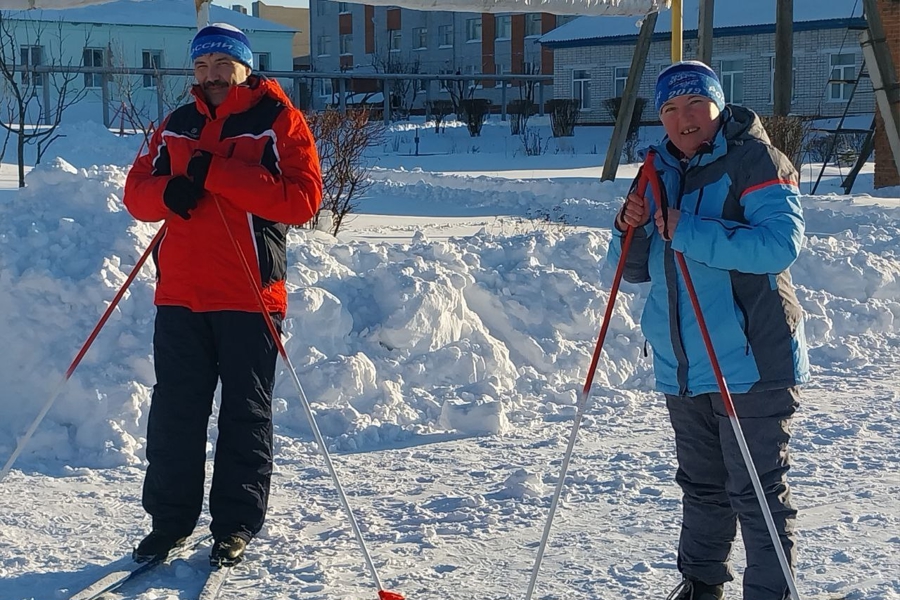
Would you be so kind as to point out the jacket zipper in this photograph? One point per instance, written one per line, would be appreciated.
(746, 326)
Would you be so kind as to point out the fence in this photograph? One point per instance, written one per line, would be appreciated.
(298, 80)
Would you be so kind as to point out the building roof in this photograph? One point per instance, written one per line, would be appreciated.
(160, 13)
(729, 17)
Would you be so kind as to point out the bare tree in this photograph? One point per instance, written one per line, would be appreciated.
(342, 141)
(34, 102)
(137, 101)
(403, 91)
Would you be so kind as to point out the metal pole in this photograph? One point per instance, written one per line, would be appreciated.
(276, 338)
(502, 100)
(641, 186)
(540, 86)
(428, 83)
(387, 101)
(342, 89)
(677, 31)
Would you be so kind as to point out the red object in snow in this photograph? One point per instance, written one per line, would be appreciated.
(386, 595)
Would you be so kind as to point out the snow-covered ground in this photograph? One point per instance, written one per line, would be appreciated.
(461, 304)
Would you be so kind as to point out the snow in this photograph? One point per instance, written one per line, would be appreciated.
(726, 14)
(462, 305)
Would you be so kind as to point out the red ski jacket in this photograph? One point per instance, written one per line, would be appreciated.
(265, 175)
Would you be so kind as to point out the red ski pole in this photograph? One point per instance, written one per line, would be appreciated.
(641, 189)
(382, 593)
(84, 348)
(732, 416)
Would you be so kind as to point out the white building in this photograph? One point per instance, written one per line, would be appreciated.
(131, 34)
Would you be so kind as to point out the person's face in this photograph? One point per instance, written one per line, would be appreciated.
(216, 73)
(689, 121)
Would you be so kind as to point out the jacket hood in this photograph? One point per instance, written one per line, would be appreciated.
(743, 124)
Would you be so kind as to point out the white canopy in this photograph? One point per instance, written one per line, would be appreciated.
(201, 6)
(559, 7)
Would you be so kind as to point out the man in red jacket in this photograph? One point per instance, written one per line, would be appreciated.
(241, 148)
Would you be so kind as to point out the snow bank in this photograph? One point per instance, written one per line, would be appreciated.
(480, 335)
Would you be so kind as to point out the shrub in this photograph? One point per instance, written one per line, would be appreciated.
(563, 116)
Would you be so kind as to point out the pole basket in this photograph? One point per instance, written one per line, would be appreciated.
(386, 595)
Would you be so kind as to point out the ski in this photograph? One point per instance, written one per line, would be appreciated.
(125, 569)
(215, 581)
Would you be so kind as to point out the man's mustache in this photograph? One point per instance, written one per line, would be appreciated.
(215, 84)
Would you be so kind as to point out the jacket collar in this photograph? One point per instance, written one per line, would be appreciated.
(240, 97)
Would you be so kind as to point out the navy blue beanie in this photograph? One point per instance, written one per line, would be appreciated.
(224, 38)
(689, 77)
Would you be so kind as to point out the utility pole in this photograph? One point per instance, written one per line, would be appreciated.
(705, 32)
(784, 57)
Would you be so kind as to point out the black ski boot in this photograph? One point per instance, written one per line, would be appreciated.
(691, 589)
(156, 546)
(227, 552)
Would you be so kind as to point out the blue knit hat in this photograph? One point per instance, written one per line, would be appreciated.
(688, 77)
(224, 38)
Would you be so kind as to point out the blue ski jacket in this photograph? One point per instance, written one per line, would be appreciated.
(741, 227)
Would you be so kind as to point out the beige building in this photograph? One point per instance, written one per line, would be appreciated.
(296, 18)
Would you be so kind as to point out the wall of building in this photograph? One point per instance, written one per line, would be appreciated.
(295, 18)
(885, 168)
(124, 46)
(812, 52)
(370, 44)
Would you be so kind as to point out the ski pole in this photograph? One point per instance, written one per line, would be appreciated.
(84, 348)
(641, 187)
(738, 431)
(731, 412)
(382, 593)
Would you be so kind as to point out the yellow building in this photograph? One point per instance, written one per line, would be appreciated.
(296, 18)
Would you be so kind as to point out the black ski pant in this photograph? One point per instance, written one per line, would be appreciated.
(718, 492)
(192, 352)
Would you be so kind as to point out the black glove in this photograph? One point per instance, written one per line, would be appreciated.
(198, 167)
(181, 196)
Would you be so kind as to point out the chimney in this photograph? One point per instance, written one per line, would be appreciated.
(239, 8)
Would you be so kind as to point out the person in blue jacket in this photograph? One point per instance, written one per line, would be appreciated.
(731, 206)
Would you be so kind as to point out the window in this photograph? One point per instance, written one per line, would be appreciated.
(326, 88)
(324, 45)
(92, 57)
(445, 35)
(420, 38)
(533, 24)
(321, 8)
(843, 69)
(343, 7)
(473, 71)
(419, 85)
(581, 88)
(396, 37)
(620, 78)
(32, 56)
(346, 43)
(503, 27)
(151, 59)
(772, 80)
(473, 30)
(733, 81)
(261, 61)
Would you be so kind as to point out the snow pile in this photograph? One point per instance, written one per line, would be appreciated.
(480, 335)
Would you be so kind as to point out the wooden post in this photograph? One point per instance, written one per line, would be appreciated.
(387, 101)
(428, 99)
(342, 90)
(629, 96)
(784, 58)
(503, 101)
(705, 31)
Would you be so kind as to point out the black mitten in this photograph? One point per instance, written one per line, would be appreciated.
(198, 167)
(181, 196)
